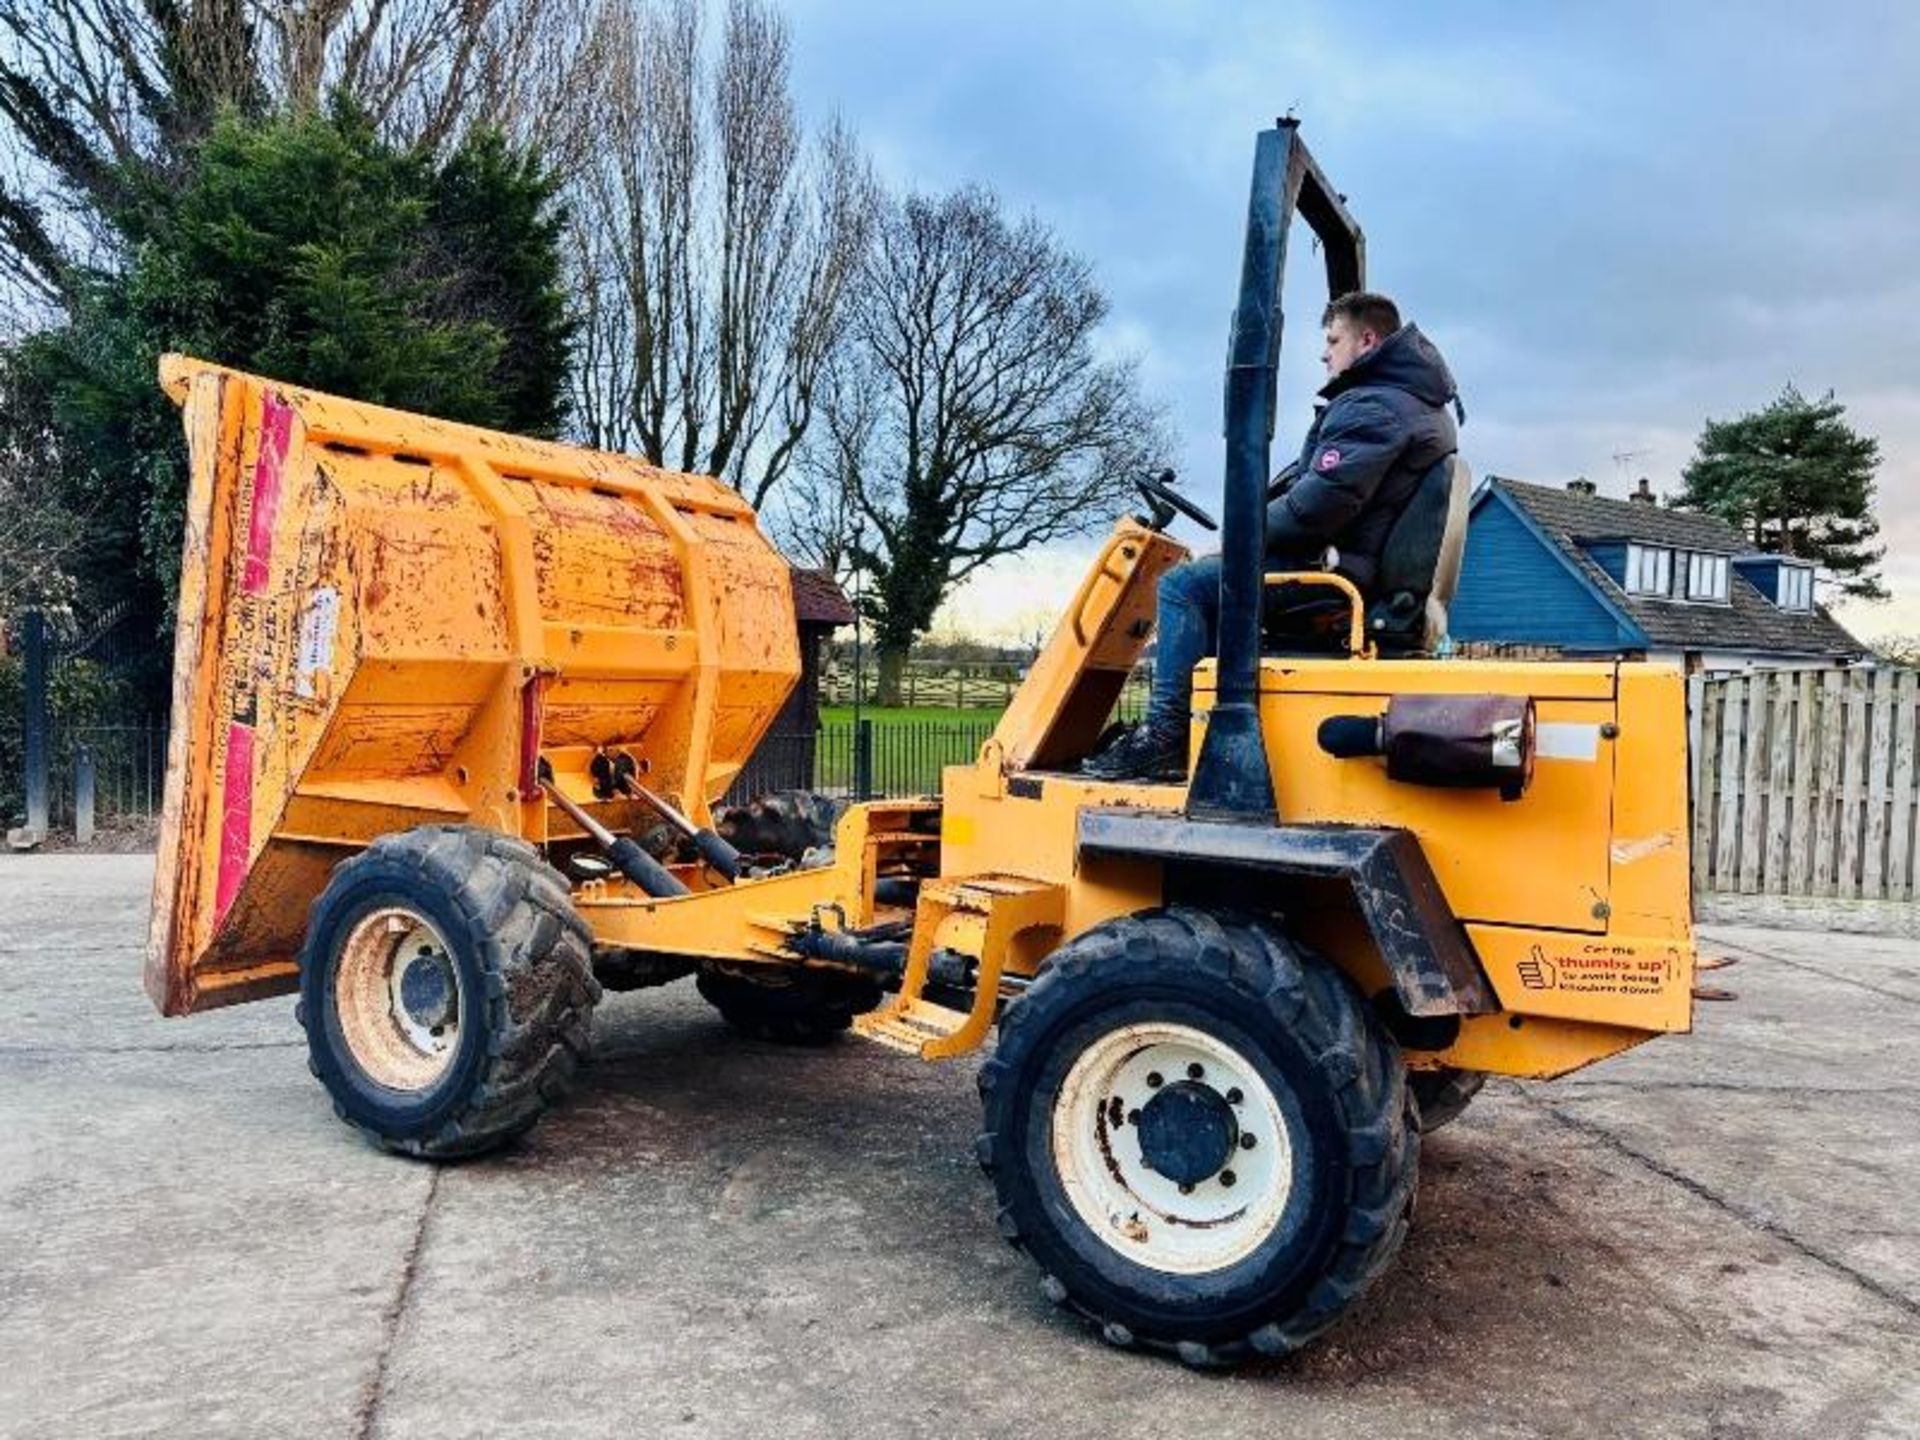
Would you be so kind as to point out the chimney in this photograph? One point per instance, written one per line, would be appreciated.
(1644, 495)
(1582, 486)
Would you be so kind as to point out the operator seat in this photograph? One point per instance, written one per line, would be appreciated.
(1418, 574)
(1420, 563)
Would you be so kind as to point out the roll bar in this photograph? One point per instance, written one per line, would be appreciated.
(1230, 780)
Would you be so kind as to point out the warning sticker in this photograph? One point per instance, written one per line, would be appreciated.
(1598, 969)
(1641, 981)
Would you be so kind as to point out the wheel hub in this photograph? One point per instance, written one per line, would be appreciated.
(397, 999)
(1172, 1147)
(427, 989)
(1187, 1131)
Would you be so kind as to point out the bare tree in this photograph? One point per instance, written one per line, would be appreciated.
(974, 415)
(819, 520)
(715, 242)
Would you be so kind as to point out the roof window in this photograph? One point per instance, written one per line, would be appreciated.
(1795, 587)
(1649, 570)
(1706, 576)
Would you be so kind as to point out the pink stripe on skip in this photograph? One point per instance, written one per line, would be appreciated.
(236, 825)
(276, 425)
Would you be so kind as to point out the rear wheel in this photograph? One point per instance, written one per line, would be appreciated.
(786, 823)
(1201, 1134)
(788, 1006)
(1442, 1094)
(446, 989)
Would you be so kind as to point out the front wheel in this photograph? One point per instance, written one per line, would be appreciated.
(447, 990)
(1201, 1134)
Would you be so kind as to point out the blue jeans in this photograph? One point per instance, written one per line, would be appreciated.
(1188, 624)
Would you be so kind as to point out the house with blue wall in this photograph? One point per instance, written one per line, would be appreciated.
(1574, 572)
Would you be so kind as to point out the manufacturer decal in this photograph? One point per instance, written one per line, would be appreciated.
(318, 623)
(1329, 458)
(252, 639)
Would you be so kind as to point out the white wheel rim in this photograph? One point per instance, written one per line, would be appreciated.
(1149, 1218)
(392, 1039)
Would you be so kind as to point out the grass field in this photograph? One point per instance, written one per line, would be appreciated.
(912, 744)
(910, 715)
(1132, 702)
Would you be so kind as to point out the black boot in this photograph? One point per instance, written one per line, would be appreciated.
(1143, 753)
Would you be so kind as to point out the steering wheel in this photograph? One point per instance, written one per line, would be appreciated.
(1166, 501)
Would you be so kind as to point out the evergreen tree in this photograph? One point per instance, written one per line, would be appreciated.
(1797, 480)
(309, 250)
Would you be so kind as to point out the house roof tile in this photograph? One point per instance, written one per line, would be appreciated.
(1748, 622)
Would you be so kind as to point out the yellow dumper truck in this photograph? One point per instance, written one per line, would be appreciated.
(431, 684)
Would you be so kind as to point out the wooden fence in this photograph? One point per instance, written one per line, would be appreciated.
(1805, 783)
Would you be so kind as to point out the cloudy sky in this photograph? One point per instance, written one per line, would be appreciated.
(1615, 221)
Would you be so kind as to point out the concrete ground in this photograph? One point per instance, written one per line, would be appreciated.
(1713, 1236)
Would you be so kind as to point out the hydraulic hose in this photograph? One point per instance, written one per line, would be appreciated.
(706, 844)
(885, 959)
(627, 856)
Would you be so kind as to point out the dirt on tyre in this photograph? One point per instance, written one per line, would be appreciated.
(788, 1007)
(1202, 1135)
(1441, 1095)
(446, 989)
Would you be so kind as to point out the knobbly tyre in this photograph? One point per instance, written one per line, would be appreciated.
(431, 682)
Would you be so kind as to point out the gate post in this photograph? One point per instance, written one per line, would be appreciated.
(33, 628)
(83, 793)
(863, 760)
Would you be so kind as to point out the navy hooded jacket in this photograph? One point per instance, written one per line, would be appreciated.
(1385, 423)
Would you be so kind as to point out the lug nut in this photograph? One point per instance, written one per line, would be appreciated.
(1133, 1117)
(1247, 1142)
(1155, 1080)
(1227, 1177)
(1234, 1097)
(1186, 1189)
(1196, 1070)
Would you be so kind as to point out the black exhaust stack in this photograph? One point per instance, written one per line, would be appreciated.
(1231, 782)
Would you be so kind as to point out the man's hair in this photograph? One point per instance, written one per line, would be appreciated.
(1364, 310)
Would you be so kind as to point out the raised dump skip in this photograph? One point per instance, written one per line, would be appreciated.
(387, 621)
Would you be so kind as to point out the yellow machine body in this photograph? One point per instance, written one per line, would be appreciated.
(387, 620)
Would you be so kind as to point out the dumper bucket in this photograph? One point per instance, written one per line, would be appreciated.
(388, 621)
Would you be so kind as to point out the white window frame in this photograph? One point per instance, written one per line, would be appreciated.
(1794, 588)
(1706, 576)
(1649, 570)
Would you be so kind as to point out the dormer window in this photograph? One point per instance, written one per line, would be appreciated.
(1795, 587)
(1706, 577)
(1649, 570)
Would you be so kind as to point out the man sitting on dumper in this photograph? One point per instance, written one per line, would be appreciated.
(1384, 422)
